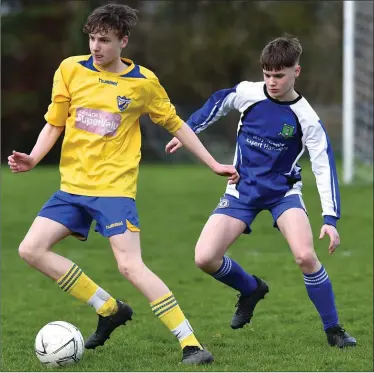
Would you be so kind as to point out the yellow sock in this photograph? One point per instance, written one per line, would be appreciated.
(168, 311)
(80, 286)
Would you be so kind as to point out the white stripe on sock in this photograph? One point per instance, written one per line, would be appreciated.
(316, 280)
(226, 268)
(314, 275)
(183, 330)
(98, 298)
(223, 268)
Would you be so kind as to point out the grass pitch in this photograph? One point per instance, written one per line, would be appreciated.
(174, 202)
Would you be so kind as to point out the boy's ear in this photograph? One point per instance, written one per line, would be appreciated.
(124, 41)
(297, 71)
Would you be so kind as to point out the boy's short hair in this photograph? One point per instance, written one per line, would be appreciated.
(280, 53)
(117, 17)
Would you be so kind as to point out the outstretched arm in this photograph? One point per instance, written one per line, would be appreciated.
(162, 112)
(55, 117)
(218, 105)
(22, 162)
(194, 145)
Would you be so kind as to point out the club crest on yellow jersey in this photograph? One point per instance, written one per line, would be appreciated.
(123, 102)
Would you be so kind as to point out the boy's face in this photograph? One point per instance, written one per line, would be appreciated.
(281, 82)
(106, 48)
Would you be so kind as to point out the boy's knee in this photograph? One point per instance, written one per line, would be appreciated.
(207, 263)
(306, 260)
(29, 252)
(131, 269)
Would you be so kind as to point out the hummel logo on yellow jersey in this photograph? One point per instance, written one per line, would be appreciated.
(107, 81)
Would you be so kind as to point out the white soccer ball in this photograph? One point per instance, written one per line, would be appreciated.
(59, 344)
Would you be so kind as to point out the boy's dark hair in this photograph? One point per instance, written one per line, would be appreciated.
(280, 53)
(117, 17)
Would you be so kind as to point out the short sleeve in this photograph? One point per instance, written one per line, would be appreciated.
(58, 110)
(160, 109)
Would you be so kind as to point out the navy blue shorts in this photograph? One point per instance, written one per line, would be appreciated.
(113, 215)
(232, 206)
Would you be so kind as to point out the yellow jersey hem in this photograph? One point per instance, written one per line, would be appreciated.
(99, 193)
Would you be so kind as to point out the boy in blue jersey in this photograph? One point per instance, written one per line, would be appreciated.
(275, 126)
(97, 101)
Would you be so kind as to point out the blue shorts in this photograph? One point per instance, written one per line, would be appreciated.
(113, 215)
(232, 206)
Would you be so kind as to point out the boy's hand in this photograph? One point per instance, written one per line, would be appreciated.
(20, 162)
(331, 231)
(173, 145)
(218, 168)
(227, 170)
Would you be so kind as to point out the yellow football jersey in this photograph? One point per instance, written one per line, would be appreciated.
(100, 111)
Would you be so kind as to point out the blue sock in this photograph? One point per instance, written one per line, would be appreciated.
(234, 276)
(320, 292)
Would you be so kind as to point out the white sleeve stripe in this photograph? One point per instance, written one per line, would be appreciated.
(216, 112)
(205, 124)
(316, 140)
(326, 184)
(333, 191)
(333, 175)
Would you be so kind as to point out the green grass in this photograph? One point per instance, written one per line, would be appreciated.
(174, 202)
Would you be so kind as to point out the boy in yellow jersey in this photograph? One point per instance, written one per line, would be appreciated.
(98, 99)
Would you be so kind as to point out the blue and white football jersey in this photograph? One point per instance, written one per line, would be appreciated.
(271, 138)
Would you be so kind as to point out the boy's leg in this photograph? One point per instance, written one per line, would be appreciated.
(295, 227)
(218, 234)
(57, 220)
(222, 229)
(126, 249)
(35, 248)
(117, 219)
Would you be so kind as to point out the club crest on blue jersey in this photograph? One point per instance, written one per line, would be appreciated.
(287, 131)
(123, 102)
(223, 203)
